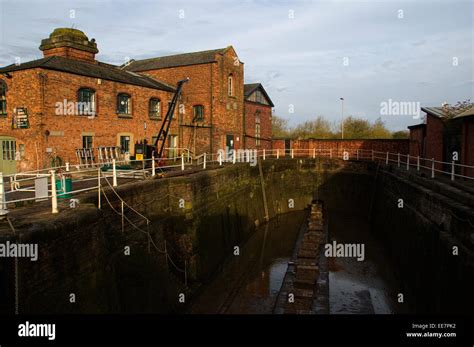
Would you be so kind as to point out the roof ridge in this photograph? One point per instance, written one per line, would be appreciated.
(174, 55)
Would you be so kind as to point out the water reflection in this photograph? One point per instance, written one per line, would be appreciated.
(249, 283)
(359, 287)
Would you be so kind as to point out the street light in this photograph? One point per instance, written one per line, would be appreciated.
(342, 114)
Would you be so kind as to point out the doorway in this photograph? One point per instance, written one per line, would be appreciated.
(229, 145)
(7, 158)
(287, 147)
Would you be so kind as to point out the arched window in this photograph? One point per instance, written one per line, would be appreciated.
(3, 98)
(230, 85)
(198, 113)
(124, 104)
(155, 108)
(86, 105)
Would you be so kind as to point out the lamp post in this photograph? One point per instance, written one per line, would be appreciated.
(342, 115)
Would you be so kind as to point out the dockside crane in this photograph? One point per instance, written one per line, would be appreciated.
(160, 141)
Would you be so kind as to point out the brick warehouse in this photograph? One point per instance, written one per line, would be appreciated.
(442, 135)
(124, 104)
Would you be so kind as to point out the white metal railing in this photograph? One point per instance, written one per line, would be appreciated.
(20, 187)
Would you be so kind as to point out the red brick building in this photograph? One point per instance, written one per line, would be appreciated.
(257, 117)
(68, 100)
(417, 140)
(212, 103)
(445, 137)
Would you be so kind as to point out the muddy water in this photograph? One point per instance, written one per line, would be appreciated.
(249, 283)
(360, 287)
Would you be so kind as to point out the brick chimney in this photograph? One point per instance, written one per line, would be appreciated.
(69, 43)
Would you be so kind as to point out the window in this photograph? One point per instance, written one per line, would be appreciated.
(3, 98)
(257, 134)
(124, 104)
(8, 149)
(125, 144)
(198, 111)
(86, 102)
(230, 85)
(155, 108)
(87, 141)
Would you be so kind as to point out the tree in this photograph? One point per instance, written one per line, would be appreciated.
(379, 131)
(402, 134)
(355, 128)
(318, 128)
(280, 127)
(458, 108)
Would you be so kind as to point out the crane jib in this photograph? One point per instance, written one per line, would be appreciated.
(163, 133)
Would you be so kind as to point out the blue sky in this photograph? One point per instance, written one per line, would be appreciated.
(307, 54)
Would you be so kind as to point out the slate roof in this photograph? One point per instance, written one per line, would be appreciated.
(416, 126)
(251, 87)
(100, 70)
(467, 113)
(435, 111)
(175, 60)
(441, 113)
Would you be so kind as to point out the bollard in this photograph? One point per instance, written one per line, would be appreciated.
(408, 162)
(278, 153)
(67, 167)
(292, 153)
(54, 196)
(314, 153)
(330, 153)
(234, 156)
(3, 206)
(204, 162)
(432, 168)
(357, 154)
(182, 162)
(220, 158)
(452, 170)
(264, 154)
(114, 173)
(153, 169)
(418, 163)
(386, 159)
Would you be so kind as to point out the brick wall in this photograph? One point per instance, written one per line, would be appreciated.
(434, 139)
(265, 115)
(468, 145)
(417, 140)
(72, 53)
(382, 145)
(40, 90)
(208, 87)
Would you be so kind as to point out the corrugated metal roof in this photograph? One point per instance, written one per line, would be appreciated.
(99, 70)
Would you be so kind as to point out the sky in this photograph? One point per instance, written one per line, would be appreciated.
(307, 54)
